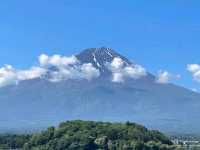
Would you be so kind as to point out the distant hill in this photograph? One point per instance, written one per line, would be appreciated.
(38, 103)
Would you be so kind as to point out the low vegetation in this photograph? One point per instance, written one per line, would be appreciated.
(88, 135)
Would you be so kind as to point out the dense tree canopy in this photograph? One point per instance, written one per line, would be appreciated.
(13, 141)
(88, 135)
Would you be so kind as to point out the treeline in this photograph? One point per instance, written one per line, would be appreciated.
(88, 135)
(8, 141)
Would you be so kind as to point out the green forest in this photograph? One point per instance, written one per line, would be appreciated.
(89, 135)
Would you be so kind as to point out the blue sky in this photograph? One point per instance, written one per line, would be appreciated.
(156, 34)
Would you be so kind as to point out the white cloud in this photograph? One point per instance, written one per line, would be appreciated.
(85, 71)
(120, 71)
(117, 63)
(117, 77)
(56, 60)
(165, 77)
(135, 72)
(34, 72)
(193, 67)
(89, 72)
(7, 75)
(62, 74)
(195, 70)
(43, 60)
(66, 68)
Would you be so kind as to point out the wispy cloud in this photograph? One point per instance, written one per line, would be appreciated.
(165, 77)
(195, 90)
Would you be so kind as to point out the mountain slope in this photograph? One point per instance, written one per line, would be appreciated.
(38, 103)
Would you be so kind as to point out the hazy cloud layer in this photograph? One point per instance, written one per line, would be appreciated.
(195, 70)
(121, 71)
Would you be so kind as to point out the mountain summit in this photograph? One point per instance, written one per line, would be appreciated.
(100, 56)
(113, 65)
(38, 103)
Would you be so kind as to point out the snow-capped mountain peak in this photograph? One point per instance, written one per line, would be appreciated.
(99, 57)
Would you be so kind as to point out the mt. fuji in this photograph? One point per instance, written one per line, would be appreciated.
(96, 84)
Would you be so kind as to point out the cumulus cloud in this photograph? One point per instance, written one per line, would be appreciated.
(9, 75)
(135, 72)
(89, 72)
(57, 68)
(64, 68)
(56, 60)
(32, 73)
(84, 71)
(67, 68)
(117, 63)
(165, 77)
(117, 77)
(120, 71)
(195, 70)
(43, 60)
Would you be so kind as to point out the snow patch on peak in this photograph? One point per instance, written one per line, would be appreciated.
(95, 60)
(110, 54)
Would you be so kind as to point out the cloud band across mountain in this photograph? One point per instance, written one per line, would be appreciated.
(57, 68)
(9, 75)
(67, 68)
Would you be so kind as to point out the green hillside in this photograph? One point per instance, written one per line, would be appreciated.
(88, 135)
